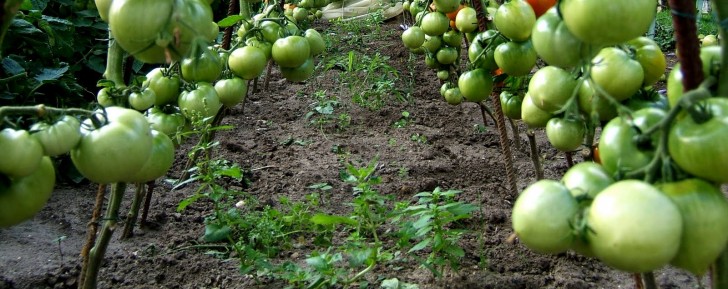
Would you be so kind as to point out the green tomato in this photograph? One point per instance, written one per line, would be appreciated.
(511, 104)
(697, 146)
(591, 102)
(466, 20)
(23, 153)
(247, 62)
(634, 227)
(432, 43)
(608, 22)
(515, 19)
(142, 100)
(711, 58)
(481, 51)
(515, 58)
(475, 85)
(315, 41)
(554, 43)
(453, 38)
(447, 55)
(650, 56)
(169, 123)
(542, 217)
(291, 51)
(23, 197)
(205, 68)
(160, 160)
(532, 115)
(103, 98)
(565, 134)
(299, 73)
(586, 180)
(615, 72)
(704, 212)
(57, 138)
(231, 91)
(166, 88)
(453, 96)
(115, 151)
(551, 88)
(446, 6)
(413, 37)
(265, 46)
(202, 102)
(435, 23)
(618, 150)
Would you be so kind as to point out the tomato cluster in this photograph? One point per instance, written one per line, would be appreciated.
(652, 198)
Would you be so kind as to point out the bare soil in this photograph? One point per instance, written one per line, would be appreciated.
(285, 154)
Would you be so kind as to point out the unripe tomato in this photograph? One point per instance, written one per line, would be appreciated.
(608, 22)
(166, 89)
(618, 149)
(202, 102)
(435, 23)
(650, 57)
(432, 43)
(206, 68)
(142, 100)
(542, 217)
(315, 41)
(57, 138)
(475, 85)
(23, 197)
(291, 51)
(466, 20)
(591, 102)
(413, 37)
(565, 134)
(586, 180)
(511, 104)
(115, 151)
(446, 6)
(22, 153)
(453, 96)
(231, 91)
(168, 123)
(634, 227)
(482, 49)
(447, 55)
(616, 73)
(453, 38)
(299, 73)
(554, 42)
(515, 19)
(515, 58)
(160, 160)
(697, 146)
(550, 88)
(247, 62)
(532, 115)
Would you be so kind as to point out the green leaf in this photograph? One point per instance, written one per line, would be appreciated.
(11, 66)
(463, 209)
(188, 201)
(216, 233)
(49, 74)
(230, 21)
(455, 251)
(421, 245)
(422, 221)
(324, 219)
(233, 172)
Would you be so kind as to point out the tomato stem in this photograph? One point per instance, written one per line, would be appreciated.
(41, 111)
(535, 156)
(114, 63)
(131, 217)
(96, 255)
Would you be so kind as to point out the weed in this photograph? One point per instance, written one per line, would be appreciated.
(418, 138)
(429, 222)
(403, 121)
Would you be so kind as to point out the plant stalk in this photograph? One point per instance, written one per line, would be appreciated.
(131, 217)
(535, 157)
(115, 63)
(147, 202)
(96, 255)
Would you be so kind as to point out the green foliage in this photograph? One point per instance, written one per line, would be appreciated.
(665, 33)
(323, 112)
(53, 54)
(371, 80)
(430, 223)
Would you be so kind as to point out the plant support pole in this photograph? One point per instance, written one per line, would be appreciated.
(720, 267)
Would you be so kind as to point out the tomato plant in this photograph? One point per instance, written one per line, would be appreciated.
(608, 22)
(247, 62)
(475, 85)
(231, 91)
(618, 149)
(166, 88)
(532, 115)
(515, 58)
(201, 102)
(550, 88)
(291, 51)
(615, 72)
(554, 42)
(511, 104)
(167, 120)
(159, 161)
(586, 180)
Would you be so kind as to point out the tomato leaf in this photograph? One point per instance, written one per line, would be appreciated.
(421, 245)
(230, 21)
(324, 219)
(50, 74)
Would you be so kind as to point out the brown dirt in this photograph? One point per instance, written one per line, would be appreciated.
(455, 156)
